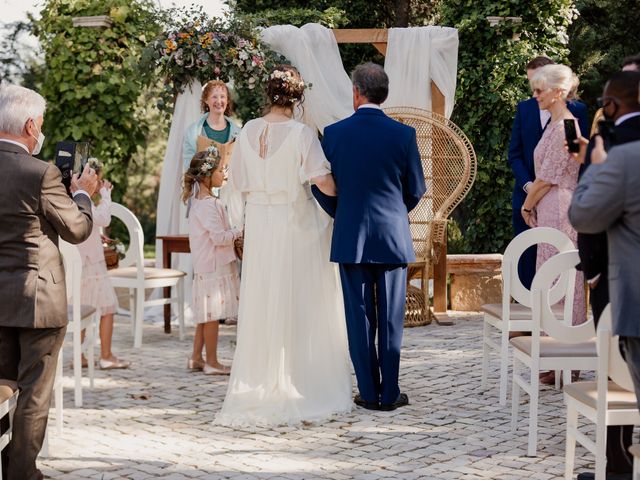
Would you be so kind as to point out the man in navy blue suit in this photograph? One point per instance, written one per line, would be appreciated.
(528, 125)
(379, 178)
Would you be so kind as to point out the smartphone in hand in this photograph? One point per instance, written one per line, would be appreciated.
(571, 135)
(70, 158)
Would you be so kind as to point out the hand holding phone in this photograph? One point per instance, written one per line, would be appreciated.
(88, 181)
(571, 135)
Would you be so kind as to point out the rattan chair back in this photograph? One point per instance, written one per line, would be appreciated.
(449, 164)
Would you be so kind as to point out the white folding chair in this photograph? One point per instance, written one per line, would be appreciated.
(566, 347)
(132, 274)
(506, 316)
(8, 402)
(81, 317)
(603, 402)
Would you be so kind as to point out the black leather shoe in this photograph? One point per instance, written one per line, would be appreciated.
(364, 404)
(403, 399)
(609, 476)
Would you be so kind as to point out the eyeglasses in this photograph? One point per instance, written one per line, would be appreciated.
(604, 101)
(538, 91)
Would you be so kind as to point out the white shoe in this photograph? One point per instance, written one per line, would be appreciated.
(112, 365)
(209, 370)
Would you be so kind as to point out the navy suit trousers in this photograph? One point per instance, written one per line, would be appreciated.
(527, 263)
(374, 300)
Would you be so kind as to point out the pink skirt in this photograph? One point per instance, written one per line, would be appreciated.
(97, 290)
(215, 294)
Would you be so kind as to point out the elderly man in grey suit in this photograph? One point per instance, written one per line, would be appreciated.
(608, 198)
(34, 210)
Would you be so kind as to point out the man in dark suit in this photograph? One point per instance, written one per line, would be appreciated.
(379, 178)
(528, 125)
(621, 111)
(34, 210)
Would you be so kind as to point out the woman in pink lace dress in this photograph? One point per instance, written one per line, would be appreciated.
(548, 200)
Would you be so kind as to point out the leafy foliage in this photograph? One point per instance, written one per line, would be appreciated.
(195, 47)
(600, 38)
(491, 80)
(91, 82)
(356, 14)
(331, 17)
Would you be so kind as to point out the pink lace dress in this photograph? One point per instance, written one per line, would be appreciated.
(555, 165)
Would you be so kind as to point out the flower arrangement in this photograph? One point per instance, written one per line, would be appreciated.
(197, 47)
(209, 164)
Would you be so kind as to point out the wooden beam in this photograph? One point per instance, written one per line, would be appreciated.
(361, 35)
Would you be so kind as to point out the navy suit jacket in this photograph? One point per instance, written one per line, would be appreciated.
(378, 173)
(525, 135)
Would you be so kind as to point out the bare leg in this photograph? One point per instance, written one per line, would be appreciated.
(211, 342)
(106, 333)
(198, 343)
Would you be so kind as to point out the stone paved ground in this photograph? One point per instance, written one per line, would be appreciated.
(452, 429)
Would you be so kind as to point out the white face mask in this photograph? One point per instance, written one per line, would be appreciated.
(39, 142)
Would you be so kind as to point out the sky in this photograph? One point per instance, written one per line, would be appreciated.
(12, 10)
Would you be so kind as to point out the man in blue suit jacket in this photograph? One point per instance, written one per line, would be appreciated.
(379, 178)
(528, 126)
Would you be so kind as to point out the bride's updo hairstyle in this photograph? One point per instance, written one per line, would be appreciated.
(285, 87)
(556, 77)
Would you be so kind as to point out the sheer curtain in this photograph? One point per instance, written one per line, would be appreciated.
(313, 50)
(415, 57)
(171, 213)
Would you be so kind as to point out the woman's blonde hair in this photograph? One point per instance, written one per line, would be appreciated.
(202, 165)
(206, 92)
(557, 76)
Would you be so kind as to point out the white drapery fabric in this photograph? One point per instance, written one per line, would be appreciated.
(171, 214)
(313, 50)
(415, 57)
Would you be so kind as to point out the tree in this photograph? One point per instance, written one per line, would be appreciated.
(604, 33)
(354, 14)
(91, 82)
(491, 80)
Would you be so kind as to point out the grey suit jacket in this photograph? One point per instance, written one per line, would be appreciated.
(34, 210)
(608, 198)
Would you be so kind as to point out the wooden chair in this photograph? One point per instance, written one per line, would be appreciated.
(565, 348)
(449, 164)
(8, 402)
(506, 317)
(603, 402)
(133, 275)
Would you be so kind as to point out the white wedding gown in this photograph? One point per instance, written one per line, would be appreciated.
(291, 362)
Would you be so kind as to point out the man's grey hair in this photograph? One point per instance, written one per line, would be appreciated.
(17, 105)
(371, 81)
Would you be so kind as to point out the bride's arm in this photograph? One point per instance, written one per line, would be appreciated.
(326, 184)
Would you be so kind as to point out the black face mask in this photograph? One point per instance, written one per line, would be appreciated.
(613, 115)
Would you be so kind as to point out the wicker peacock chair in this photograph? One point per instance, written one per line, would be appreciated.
(449, 165)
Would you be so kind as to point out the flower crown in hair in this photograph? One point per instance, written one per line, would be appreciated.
(286, 76)
(213, 155)
(95, 164)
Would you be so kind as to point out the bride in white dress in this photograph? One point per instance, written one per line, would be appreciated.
(291, 362)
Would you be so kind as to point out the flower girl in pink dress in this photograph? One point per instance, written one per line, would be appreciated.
(216, 280)
(97, 290)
